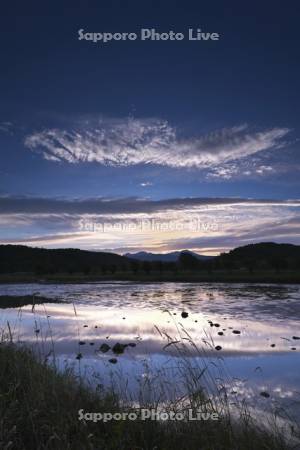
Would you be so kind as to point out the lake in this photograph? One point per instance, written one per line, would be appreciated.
(241, 338)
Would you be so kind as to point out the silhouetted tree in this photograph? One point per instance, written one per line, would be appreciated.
(124, 268)
(113, 268)
(39, 269)
(87, 270)
(187, 261)
(134, 265)
(147, 267)
(279, 264)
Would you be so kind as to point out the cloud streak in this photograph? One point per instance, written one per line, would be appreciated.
(108, 206)
(151, 141)
(119, 224)
(6, 127)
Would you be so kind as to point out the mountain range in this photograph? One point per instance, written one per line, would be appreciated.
(164, 257)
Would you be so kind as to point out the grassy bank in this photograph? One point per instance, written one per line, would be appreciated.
(238, 276)
(39, 410)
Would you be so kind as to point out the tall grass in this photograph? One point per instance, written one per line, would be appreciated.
(39, 407)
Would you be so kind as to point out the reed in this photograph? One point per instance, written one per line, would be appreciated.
(39, 407)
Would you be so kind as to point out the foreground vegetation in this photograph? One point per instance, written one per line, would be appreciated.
(39, 410)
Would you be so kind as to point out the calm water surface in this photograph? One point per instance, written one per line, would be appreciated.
(254, 327)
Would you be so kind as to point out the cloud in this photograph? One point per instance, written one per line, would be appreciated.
(244, 169)
(48, 239)
(130, 205)
(118, 224)
(259, 231)
(152, 141)
(6, 127)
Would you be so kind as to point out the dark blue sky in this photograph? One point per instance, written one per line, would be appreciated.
(252, 73)
(154, 119)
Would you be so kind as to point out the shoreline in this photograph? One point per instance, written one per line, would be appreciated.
(188, 277)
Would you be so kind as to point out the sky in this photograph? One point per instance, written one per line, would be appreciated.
(155, 144)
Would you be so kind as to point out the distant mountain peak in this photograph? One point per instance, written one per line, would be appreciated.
(164, 257)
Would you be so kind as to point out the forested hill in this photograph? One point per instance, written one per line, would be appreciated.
(19, 258)
(265, 254)
(254, 257)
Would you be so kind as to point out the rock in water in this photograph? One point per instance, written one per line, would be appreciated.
(104, 348)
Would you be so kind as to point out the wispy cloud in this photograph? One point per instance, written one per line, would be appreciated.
(130, 205)
(46, 239)
(119, 224)
(6, 127)
(151, 141)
